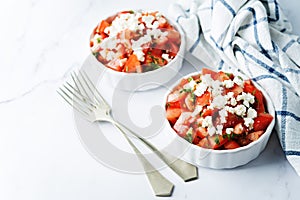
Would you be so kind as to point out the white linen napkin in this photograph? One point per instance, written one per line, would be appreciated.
(256, 38)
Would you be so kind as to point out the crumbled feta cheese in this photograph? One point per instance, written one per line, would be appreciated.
(123, 22)
(166, 57)
(251, 113)
(229, 130)
(233, 102)
(110, 55)
(219, 130)
(238, 80)
(197, 110)
(223, 114)
(247, 98)
(139, 54)
(207, 121)
(216, 88)
(228, 83)
(206, 79)
(211, 130)
(240, 110)
(230, 95)
(190, 85)
(219, 101)
(158, 15)
(155, 25)
(148, 19)
(122, 61)
(248, 122)
(229, 109)
(200, 89)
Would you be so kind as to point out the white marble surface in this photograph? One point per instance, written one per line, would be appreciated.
(41, 156)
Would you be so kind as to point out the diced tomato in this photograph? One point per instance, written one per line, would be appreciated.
(262, 121)
(232, 120)
(181, 130)
(201, 132)
(174, 36)
(173, 49)
(250, 88)
(196, 140)
(239, 128)
(204, 99)
(221, 76)
(184, 119)
(173, 114)
(156, 52)
(132, 64)
(183, 82)
(189, 102)
(216, 141)
(204, 143)
(259, 104)
(231, 145)
(91, 43)
(174, 104)
(207, 112)
(254, 135)
(115, 65)
(209, 71)
(101, 27)
(236, 89)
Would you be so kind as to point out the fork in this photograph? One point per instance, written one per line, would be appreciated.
(87, 100)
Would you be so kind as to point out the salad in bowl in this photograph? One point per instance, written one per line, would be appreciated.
(135, 41)
(225, 117)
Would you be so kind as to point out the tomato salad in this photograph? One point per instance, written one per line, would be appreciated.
(217, 110)
(135, 41)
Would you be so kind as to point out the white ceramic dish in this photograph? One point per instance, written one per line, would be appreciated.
(147, 80)
(222, 159)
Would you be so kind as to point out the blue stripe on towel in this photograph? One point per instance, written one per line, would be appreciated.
(198, 39)
(292, 153)
(264, 65)
(288, 45)
(228, 7)
(288, 114)
(258, 78)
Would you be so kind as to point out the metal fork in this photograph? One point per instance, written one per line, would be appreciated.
(87, 100)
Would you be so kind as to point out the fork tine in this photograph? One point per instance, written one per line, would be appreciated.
(78, 83)
(93, 88)
(77, 94)
(77, 101)
(69, 100)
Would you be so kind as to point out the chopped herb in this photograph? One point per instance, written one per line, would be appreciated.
(98, 40)
(185, 90)
(193, 97)
(154, 66)
(217, 141)
(190, 79)
(228, 74)
(168, 105)
(189, 135)
(240, 77)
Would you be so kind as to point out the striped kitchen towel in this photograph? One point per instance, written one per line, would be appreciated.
(254, 37)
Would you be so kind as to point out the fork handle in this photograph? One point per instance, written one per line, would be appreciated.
(182, 168)
(160, 185)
